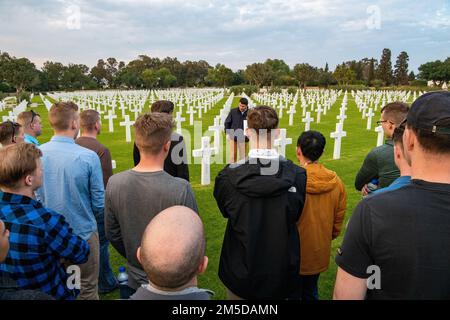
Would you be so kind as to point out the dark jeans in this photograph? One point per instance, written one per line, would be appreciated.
(10, 291)
(107, 282)
(17, 294)
(310, 289)
(126, 292)
(305, 288)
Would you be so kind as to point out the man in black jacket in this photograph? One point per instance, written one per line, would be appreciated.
(234, 129)
(263, 199)
(176, 162)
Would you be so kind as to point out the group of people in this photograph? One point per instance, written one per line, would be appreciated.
(61, 206)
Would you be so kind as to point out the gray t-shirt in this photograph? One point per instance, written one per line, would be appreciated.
(132, 200)
(146, 292)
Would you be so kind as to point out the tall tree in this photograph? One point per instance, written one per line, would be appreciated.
(53, 73)
(259, 74)
(385, 67)
(220, 75)
(401, 69)
(99, 73)
(344, 74)
(371, 72)
(280, 70)
(19, 73)
(305, 73)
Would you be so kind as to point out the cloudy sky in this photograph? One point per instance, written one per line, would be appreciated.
(233, 32)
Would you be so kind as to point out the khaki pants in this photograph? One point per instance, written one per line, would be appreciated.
(236, 147)
(90, 271)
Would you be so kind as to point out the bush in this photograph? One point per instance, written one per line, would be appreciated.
(248, 89)
(419, 83)
(292, 90)
(24, 95)
(4, 87)
(3, 95)
(349, 87)
(273, 90)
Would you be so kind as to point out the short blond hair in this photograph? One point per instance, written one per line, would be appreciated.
(153, 130)
(61, 114)
(18, 161)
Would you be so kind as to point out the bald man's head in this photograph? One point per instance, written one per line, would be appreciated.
(173, 247)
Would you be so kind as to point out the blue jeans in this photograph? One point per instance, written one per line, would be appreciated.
(107, 282)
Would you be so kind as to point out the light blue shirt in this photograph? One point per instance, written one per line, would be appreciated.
(73, 184)
(32, 140)
(397, 184)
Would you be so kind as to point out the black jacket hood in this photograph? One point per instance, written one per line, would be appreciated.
(262, 178)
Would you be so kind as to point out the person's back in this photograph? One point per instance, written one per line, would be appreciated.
(262, 200)
(409, 236)
(39, 237)
(323, 214)
(379, 163)
(102, 152)
(400, 238)
(135, 196)
(91, 125)
(67, 183)
(73, 185)
(176, 163)
(8, 287)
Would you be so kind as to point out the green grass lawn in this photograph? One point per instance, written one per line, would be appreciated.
(354, 148)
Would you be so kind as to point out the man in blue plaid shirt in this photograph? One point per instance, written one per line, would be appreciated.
(40, 239)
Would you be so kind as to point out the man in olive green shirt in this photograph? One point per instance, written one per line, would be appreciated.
(379, 163)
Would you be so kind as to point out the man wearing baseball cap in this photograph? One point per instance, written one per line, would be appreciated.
(397, 243)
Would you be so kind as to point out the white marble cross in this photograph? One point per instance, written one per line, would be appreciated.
(205, 153)
(307, 120)
(178, 119)
(122, 108)
(217, 128)
(380, 137)
(280, 107)
(342, 116)
(190, 111)
(319, 112)
(369, 115)
(337, 136)
(110, 118)
(200, 109)
(282, 142)
(291, 113)
(127, 124)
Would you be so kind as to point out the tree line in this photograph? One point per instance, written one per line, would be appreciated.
(20, 74)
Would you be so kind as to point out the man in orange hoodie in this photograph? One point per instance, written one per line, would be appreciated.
(323, 214)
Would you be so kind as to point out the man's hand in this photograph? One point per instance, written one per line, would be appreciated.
(365, 190)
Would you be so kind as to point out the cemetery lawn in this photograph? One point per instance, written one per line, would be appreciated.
(355, 146)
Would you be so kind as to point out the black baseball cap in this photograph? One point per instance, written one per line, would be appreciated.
(429, 110)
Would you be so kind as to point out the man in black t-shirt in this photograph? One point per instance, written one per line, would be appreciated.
(397, 244)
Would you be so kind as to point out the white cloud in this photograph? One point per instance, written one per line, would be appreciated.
(234, 32)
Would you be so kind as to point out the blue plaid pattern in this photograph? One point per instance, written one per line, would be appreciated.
(39, 239)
